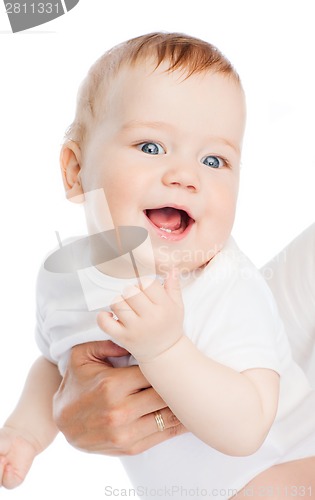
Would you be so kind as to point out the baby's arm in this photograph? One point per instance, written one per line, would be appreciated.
(30, 428)
(228, 410)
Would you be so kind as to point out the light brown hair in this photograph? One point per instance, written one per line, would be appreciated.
(183, 52)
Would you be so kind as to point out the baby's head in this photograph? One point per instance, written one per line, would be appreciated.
(159, 127)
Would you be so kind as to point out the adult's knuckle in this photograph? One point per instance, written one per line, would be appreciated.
(106, 385)
(132, 450)
(60, 418)
(172, 420)
(61, 414)
(114, 417)
(176, 430)
(75, 355)
(119, 440)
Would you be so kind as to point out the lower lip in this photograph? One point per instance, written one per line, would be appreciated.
(171, 236)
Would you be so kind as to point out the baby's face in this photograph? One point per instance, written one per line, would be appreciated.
(167, 155)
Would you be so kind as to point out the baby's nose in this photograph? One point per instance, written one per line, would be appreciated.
(184, 175)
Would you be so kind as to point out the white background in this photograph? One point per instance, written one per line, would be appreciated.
(271, 43)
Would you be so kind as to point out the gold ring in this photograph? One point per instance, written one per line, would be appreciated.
(159, 421)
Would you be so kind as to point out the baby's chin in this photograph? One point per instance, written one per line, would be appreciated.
(185, 261)
(184, 269)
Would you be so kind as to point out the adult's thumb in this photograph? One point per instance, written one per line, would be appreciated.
(96, 351)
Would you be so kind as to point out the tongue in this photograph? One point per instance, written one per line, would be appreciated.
(167, 217)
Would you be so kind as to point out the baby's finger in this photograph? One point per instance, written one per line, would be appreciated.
(136, 299)
(173, 286)
(153, 289)
(109, 325)
(2, 466)
(5, 443)
(123, 310)
(10, 477)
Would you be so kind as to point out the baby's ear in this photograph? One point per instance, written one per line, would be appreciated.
(70, 164)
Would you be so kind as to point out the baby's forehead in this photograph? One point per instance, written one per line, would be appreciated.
(145, 71)
(146, 96)
(178, 51)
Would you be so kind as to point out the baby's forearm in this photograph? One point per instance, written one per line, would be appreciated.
(33, 413)
(219, 405)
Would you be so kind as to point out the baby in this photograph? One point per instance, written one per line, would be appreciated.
(158, 130)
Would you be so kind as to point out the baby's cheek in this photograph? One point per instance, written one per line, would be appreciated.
(227, 200)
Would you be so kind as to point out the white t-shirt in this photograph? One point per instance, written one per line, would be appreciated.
(231, 316)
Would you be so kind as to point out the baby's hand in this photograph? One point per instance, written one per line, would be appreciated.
(17, 453)
(150, 321)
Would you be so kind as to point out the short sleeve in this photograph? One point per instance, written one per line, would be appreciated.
(42, 341)
(58, 298)
(41, 337)
(241, 327)
(62, 317)
(253, 335)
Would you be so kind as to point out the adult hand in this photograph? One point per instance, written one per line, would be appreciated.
(101, 409)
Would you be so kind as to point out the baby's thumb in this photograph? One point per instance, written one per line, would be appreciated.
(173, 286)
(5, 444)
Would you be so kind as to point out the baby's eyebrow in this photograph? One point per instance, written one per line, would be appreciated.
(227, 143)
(140, 124)
(133, 124)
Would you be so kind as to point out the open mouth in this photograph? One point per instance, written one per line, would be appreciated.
(169, 222)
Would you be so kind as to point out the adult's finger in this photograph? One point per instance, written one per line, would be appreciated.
(153, 439)
(96, 351)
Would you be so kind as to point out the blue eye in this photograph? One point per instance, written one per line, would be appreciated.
(152, 148)
(213, 161)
